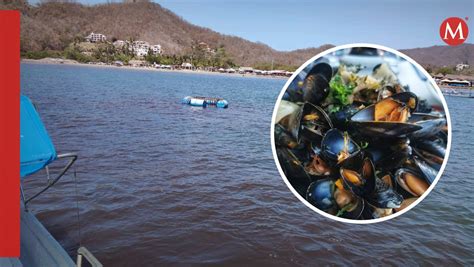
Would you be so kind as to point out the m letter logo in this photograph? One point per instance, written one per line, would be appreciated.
(454, 31)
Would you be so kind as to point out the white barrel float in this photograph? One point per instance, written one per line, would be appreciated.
(205, 101)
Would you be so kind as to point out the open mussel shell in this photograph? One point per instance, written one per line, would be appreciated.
(283, 138)
(310, 122)
(321, 194)
(350, 205)
(411, 182)
(431, 124)
(389, 90)
(407, 98)
(366, 121)
(293, 169)
(336, 147)
(317, 168)
(359, 176)
(284, 109)
(384, 196)
(427, 168)
(355, 212)
(316, 83)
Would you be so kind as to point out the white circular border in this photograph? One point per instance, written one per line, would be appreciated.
(277, 104)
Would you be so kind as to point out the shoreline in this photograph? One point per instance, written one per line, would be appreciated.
(69, 62)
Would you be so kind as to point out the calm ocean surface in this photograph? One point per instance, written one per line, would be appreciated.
(162, 183)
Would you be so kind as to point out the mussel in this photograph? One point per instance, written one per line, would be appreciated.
(431, 124)
(411, 182)
(316, 83)
(294, 170)
(286, 108)
(365, 150)
(389, 156)
(336, 147)
(359, 177)
(310, 122)
(283, 138)
(321, 195)
(384, 196)
(387, 118)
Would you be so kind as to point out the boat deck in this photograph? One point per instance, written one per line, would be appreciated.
(37, 246)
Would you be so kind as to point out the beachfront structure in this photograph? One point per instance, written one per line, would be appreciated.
(460, 67)
(243, 70)
(96, 37)
(187, 65)
(456, 80)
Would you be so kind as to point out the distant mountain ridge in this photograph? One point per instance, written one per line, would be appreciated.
(53, 25)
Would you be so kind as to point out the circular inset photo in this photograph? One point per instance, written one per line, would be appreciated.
(361, 133)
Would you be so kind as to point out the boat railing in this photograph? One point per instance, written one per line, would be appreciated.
(83, 252)
(72, 158)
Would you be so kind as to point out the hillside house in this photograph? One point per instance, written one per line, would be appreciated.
(96, 38)
(156, 49)
(460, 67)
(140, 48)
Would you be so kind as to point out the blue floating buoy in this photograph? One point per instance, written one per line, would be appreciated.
(205, 101)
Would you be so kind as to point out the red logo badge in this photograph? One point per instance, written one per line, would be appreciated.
(454, 31)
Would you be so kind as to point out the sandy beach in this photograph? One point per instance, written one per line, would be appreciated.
(73, 62)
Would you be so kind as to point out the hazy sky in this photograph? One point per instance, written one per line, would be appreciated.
(288, 25)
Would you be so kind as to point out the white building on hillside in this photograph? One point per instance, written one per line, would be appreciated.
(156, 49)
(460, 67)
(96, 37)
(140, 48)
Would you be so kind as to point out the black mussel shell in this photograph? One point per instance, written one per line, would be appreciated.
(315, 88)
(384, 196)
(321, 194)
(340, 118)
(390, 157)
(294, 94)
(435, 147)
(354, 212)
(316, 83)
(431, 125)
(428, 170)
(407, 98)
(323, 69)
(293, 169)
(283, 138)
(333, 145)
(415, 186)
(357, 212)
(297, 128)
(384, 129)
(359, 176)
(364, 122)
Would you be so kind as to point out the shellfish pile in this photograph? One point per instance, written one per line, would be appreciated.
(358, 147)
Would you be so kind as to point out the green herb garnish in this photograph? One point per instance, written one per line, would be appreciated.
(340, 92)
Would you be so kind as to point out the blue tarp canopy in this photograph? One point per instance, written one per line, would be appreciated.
(36, 148)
